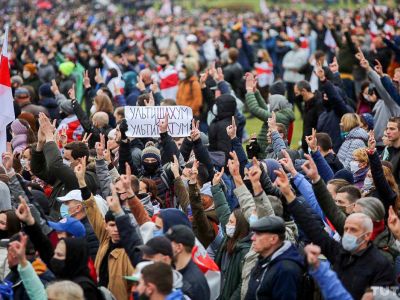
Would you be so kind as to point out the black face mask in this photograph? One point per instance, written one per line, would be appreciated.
(151, 168)
(163, 66)
(57, 266)
(259, 60)
(249, 186)
(299, 98)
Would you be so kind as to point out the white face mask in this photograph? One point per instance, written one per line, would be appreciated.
(26, 74)
(93, 109)
(368, 183)
(182, 75)
(24, 163)
(66, 162)
(354, 166)
(367, 97)
(230, 230)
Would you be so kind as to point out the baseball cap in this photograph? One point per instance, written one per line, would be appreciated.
(138, 271)
(158, 244)
(72, 195)
(70, 225)
(181, 234)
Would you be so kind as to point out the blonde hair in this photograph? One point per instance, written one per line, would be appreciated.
(265, 55)
(65, 290)
(349, 121)
(360, 155)
(103, 103)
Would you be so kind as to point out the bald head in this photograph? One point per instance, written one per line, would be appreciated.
(100, 119)
(146, 76)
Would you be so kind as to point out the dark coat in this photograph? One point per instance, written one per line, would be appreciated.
(278, 276)
(356, 271)
(333, 162)
(312, 110)
(92, 241)
(52, 107)
(233, 74)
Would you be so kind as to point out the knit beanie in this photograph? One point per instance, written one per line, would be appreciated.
(344, 174)
(372, 207)
(66, 68)
(369, 119)
(18, 128)
(17, 79)
(45, 90)
(66, 107)
(31, 68)
(150, 151)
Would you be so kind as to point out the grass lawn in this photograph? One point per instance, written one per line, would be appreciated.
(254, 125)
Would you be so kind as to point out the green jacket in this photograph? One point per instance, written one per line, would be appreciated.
(259, 109)
(231, 271)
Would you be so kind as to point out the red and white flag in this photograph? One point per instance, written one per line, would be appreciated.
(6, 98)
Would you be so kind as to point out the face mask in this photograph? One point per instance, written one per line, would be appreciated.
(26, 74)
(350, 242)
(158, 232)
(64, 211)
(24, 163)
(66, 162)
(259, 60)
(253, 219)
(215, 110)
(230, 230)
(150, 168)
(40, 61)
(92, 62)
(93, 109)
(367, 97)
(344, 207)
(354, 167)
(163, 66)
(182, 75)
(57, 266)
(368, 183)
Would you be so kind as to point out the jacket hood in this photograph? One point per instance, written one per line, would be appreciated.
(175, 295)
(173, 216)
(218, 158)
(358, 133)
(226, 105)
(177, 279)
(272, 165)
(278, 102)
(288, 252)
(76, 258)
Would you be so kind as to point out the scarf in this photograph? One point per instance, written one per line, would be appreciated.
(379, 226)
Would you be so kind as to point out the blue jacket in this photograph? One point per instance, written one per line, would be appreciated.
(278, 276)
(390, 88)
(330, 285)
(323, 167)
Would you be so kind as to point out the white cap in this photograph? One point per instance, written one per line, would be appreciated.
(191, 38)
(72, 195)
(138, 271)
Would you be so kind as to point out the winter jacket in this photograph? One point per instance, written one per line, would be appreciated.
(357, 138)
(52, 107)
(259, 109)
(118, 260)
(230, 264)
(329, 119)
(385, 107)
(218, 138)
(313, 108)
(48, 165)
(292, 62)
(323, 167)
(33, 109)
(189, 94)
(31, 282)
(330, 285)
(356, 271)
(277, 276)
(333, 162)
(233, 73)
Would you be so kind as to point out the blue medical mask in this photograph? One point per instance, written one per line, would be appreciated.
(368, 183)
(350, 242)
(252, 219)
(158, 232)
(64, 211)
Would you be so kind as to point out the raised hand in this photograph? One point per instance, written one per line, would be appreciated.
(233, 164)
(310, 168)
(113, 201)
(99, 146)
(140, 84)
(193, 172)
(86, 79)
(217, 177)
(7, 159)
(312, 140)
(282, 182)
(195, 132)
(23, 212)
(254, 172)
(71, 92)
(249, 82)
(46, 127)
(312, 252)
(151, 101)
(154, 87)
(220, 75)
(287, 163)
(371, 141)
(86, 138)
(80, 171)
(272, 123)
(319, 71)
(175, 167)
(117, 90)
(164, 124)
(378, 68)
(107, 152)
(334, 66)
(360, 55)
(54, 88)
(231, 129)
(98, 78)
(18, 249)
(62, 136)
(126, 181)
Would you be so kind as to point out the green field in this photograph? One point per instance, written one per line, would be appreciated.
(253, 125)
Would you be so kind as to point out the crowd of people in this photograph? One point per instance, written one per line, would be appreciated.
(89, 212)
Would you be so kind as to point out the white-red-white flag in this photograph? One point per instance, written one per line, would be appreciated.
(6, 99)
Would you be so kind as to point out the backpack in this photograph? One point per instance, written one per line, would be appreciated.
(102, 292)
